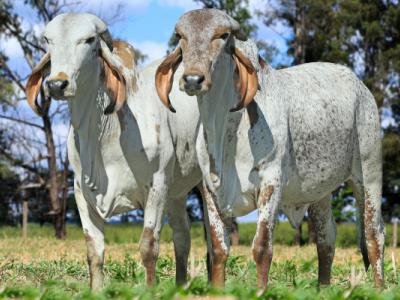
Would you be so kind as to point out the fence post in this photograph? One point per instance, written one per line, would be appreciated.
(394, 238)
(25, 209)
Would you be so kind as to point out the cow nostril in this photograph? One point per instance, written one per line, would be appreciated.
(57, 85)
(200, 79)
(193, 79)
(64, 84)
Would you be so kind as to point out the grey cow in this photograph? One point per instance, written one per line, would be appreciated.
(304, 131)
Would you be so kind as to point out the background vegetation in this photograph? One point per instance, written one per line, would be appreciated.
(362, 34)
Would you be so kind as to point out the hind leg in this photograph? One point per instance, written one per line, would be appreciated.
(325, 227)
(372, 236)
(179, 222)
(367, 177)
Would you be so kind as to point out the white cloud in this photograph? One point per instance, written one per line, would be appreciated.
(153, 50)
(61, 131)
(107, 5)
(11, 48)
(185, 4)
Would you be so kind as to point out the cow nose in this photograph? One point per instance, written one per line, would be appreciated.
(193, 82)
(193, 79)
(57, 86)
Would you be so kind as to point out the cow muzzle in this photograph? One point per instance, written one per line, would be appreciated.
(194, 84)
(57, 88)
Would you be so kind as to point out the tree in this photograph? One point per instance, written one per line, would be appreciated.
(32, 150)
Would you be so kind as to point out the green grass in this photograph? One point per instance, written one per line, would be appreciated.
(127, 233)
(43, 268)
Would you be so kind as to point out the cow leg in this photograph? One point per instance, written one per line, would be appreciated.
(325, 227)
(372, 235)
(150, 240)
(93, 228)
(219, 236)
(179, 222)
(268, 198)
(207, 230)
(367, 179)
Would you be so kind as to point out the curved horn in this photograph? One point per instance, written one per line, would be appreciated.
(34, 83)
(106, 37)
(236, 30)
(247, 84)
(165, 76)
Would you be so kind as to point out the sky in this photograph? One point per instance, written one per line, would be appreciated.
(147, 25)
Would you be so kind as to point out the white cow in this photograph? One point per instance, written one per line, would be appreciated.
(309, 129)
(126, 150)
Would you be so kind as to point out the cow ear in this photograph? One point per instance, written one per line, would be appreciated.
(165, 76)
(247, 82)
(34, 83)
(114, 80)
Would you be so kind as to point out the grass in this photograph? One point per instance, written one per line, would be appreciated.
(44, 268)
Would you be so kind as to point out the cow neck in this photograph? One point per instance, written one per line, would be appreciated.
(91, 129)
(219, 123)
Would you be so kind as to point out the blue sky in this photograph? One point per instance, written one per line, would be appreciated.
(146, 24)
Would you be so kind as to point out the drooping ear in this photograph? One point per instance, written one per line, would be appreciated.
(247, 83)
(114, 80)
(34, 83)
(165, 76)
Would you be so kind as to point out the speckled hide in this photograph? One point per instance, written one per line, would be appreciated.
(308, 129)
(126, 150)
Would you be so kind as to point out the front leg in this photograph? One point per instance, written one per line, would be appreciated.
(93, 228)
(268, 199)
(219, 236)
(150, 240)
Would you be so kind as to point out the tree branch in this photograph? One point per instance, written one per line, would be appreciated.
(21, 121)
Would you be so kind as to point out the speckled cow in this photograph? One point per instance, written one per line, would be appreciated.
(127, 151)
(274, 139)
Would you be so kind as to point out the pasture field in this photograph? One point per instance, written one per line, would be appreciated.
(44, 268)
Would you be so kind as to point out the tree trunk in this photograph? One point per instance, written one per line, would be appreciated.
(52, 184)
(299, 42)
(64, 197)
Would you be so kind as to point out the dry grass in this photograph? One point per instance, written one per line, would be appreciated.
(42, 268)
(38, 249)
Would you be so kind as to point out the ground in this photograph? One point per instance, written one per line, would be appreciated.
(44, 268)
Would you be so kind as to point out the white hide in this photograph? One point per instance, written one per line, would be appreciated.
(304, 138)
(139, 157)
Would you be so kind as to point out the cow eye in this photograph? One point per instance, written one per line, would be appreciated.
(177, 36)
(224, 36)
(90, 40)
